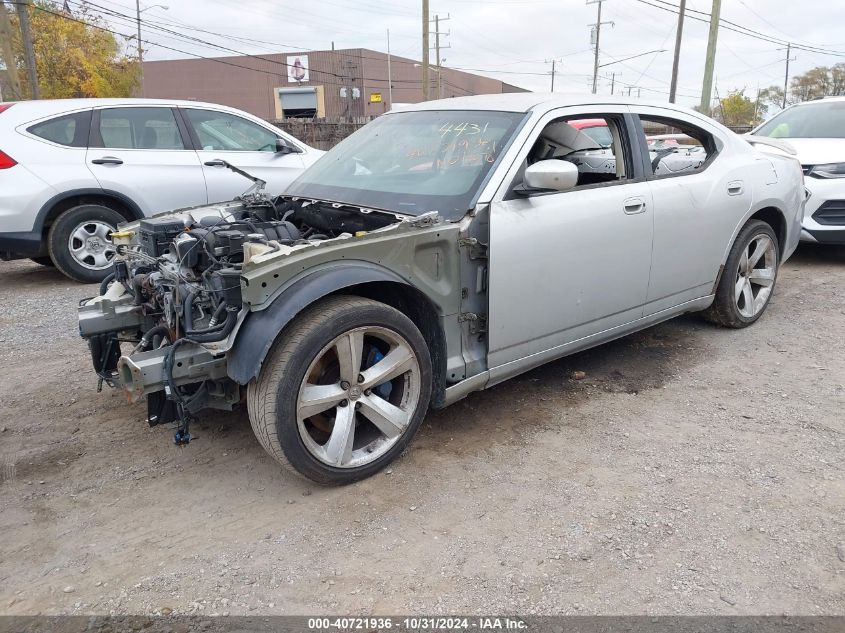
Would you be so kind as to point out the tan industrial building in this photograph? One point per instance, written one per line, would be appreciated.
(324, 84)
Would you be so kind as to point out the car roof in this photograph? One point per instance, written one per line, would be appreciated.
(31, 110)
(820, 100)
(528, 101)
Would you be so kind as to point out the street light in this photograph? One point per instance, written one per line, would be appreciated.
(138, 12)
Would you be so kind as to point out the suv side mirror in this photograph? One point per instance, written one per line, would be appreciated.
(284, 148)
(551, 175)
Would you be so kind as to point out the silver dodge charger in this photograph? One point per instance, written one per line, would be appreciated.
(440, 250)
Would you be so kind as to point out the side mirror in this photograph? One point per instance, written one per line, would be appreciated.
(284, 148)
(551, 175)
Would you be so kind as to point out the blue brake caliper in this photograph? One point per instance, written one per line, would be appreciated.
(383, 390)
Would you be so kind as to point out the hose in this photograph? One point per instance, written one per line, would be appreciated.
(215, 318)
(167, 370)
(210, 334)
(188, 309)
(206, 336)
(104, 284)
(148, 336)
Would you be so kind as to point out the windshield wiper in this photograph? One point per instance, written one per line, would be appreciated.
(258, 185)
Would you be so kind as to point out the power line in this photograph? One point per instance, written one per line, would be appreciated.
(158, 27)
(217, 59)
(738, 28)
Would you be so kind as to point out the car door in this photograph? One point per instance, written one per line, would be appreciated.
(144, 154)
(565, 266)
(700, 193)
(221, 135)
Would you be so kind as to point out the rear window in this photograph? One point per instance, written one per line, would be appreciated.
(70, 130)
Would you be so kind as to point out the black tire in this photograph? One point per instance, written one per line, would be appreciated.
(272, 397)
(725, 311)
(43, 261)
(59, 236)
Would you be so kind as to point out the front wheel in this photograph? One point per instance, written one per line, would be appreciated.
(343, 391)
(80, 244)
(748, 279)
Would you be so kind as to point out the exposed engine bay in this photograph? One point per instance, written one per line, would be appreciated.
(167, 314)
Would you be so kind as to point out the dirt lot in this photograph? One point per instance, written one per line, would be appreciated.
(693, 470)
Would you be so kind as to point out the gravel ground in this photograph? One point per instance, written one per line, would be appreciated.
(693, 470)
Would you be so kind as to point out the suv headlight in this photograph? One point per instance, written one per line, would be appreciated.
(830, 170)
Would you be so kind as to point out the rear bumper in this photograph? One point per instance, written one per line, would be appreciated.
(20, 244)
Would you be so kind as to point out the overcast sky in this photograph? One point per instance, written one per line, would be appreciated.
(511, 39)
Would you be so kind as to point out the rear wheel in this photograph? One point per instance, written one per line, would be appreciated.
(749, 277)
(343, 391)
(80, 242)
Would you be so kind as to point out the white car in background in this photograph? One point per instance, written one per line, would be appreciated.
(72, 170)
(816, 130)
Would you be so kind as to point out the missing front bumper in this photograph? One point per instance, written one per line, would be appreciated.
(142, 374)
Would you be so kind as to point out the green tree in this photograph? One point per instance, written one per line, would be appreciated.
(736, 109)
(74, 58)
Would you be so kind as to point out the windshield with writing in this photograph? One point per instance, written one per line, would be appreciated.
(412, 162)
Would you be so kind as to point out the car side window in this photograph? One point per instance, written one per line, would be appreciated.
(70, 130)
(139, 128)
(596, 144)
(222, 131)
(675, 147)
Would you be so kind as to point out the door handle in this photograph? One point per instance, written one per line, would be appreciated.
(735, 188)
(107, 160)
(632, 206)
(215, 163)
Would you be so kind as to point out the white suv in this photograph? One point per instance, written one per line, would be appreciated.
(816, 129)
(71, 170)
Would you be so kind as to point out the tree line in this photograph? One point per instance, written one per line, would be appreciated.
(738, 109)
(73, 57)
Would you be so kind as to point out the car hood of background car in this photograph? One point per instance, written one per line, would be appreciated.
(818, 151)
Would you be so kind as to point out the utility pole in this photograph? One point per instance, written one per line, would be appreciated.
(553, 62)
(786, 77)
(425, 49)
(389, 74)
(612, 82)
(673, 86)
(597, 32)
(349, 91)
(8, 54)
(598, 36)
(437, 48)
(140, 49)
(707, 85)
(28, 50)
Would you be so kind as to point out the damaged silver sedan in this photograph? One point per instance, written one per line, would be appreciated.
(438, 251)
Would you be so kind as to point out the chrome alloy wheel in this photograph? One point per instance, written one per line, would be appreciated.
(755, 275)
(358, 397)
(91, 246)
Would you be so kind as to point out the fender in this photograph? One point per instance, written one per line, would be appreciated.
(259, 329)
(38, 227)
(769, 203)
